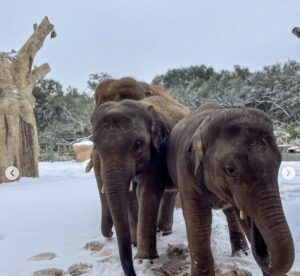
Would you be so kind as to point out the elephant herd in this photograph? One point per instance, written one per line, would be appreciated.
(148, 147)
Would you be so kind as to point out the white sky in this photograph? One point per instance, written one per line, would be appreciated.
(143, 38)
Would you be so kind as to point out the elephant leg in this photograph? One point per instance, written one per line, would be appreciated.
(237, 237)
(166, 211)
(106, 218)
(133, 209)
(149, 198)
(198, 218)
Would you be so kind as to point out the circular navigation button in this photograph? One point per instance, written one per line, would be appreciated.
(288, 173)
(12, 173)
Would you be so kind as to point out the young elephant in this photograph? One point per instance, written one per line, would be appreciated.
(117, 90)
(130, 137)
(229, 156)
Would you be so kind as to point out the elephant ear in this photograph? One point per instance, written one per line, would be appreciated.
(196, 146)
(159, 129)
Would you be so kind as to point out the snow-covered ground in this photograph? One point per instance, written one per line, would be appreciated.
(53, 223)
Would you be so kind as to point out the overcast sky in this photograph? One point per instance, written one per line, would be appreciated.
(143, 38)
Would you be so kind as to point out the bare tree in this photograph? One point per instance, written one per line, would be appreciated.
(18, 132)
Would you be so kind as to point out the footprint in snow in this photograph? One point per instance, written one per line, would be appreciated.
(240, 272)
(94, 246)
(49, 272)
(46, 256)
(79, 269)
(174, 262)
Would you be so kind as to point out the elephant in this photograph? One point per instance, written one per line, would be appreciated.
(228, 156)
(126, 88)
(118, 90)
(130, 137)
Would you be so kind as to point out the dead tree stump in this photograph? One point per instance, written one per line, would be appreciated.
(18, 131)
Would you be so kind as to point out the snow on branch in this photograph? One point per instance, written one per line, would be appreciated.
(275, 104)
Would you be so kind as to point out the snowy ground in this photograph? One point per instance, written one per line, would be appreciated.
(57, 217)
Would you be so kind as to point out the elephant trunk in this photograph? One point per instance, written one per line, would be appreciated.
(116, 182)
(270, 237)
(106, 219)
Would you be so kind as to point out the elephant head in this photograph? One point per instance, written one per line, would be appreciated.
(126, 134)
(235, 152)
(126, 88)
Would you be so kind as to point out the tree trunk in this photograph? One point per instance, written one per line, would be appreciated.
(18, 131)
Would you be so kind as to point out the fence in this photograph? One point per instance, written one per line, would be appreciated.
(290, 156)
(59, 152)
(62, 152)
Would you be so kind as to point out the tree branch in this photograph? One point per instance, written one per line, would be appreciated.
(26, 54)
(35, 41)
(39, 72)
(277, 105)
(70, 116)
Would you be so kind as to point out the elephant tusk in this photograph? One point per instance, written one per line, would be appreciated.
(130, 186)
(102, 189)
(242, 214)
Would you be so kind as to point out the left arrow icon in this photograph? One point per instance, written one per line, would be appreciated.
(12, 173)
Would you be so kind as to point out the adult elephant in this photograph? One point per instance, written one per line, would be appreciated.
(130, 137)
(117, 90)
(126, 88)
(229, 156)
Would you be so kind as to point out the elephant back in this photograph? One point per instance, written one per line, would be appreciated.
(171, 110)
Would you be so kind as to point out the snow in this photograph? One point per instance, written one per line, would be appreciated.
(53, 222)
(83, 143)
(294, 149)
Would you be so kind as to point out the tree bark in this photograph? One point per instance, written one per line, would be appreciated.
(18, 131)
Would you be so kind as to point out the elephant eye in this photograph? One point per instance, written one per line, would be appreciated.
(138, 144)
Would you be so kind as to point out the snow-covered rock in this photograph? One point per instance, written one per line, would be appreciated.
(83, 150)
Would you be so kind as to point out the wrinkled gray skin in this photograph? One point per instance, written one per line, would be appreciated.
(117, 90)
(229, 156)
(130, 138)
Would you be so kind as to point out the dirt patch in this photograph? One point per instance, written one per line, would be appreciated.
(79, 269)
(240, 272)
(46, 256)
(174, 262)
(49, 272)
(179, 252)
(94, 246)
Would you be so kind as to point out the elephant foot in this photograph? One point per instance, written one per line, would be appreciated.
(164, 227)
(134, 240)
(206, 270)
(164, 232)
(107, 234)
(143, 254)
(240, 253)
(134, 243)
(239, 244)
